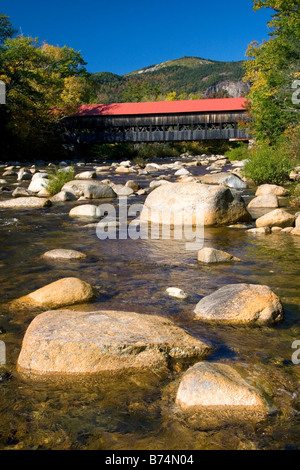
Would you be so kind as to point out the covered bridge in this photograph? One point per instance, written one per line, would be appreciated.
(163, 121)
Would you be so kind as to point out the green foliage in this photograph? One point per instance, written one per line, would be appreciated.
(188, 77)
(240, 152)
(39, 78)
(268, 165)
(295, 195)
(156, 150)
(58, 178)
(273, 67)
(111, 151)
(6, 28)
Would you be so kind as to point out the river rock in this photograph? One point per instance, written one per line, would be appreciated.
(22, 192)
(157, 183)
(39, 181)
(265, 200)
(217, 385)
(182, 172)
(66, 291)
(23, 175)
(228, 179)
(9, 173)
(177, 293)
(219, 205)
(89, 189)
(211, 255)
(25, 203)
(134, 185)
(64, 196)
(75, 342)
(121, 190)
(86, 175)
(241, 304)
(271, 189)
(63, 254)
(123, 169)
(276, 218)
(85, 210)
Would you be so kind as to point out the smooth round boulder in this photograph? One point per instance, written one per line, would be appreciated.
(217, 385)
(271, 189)
(38, 183)
(194, 204)
(66, 291)
(276, 218)
(61, 254)
(177, 293)
(80, 342)
(240, 304)
(265, 200)
(85, 210)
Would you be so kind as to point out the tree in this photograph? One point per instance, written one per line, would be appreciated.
(6, 28)
(272, 69)
(43, 84)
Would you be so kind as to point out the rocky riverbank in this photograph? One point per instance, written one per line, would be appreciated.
(95, 336)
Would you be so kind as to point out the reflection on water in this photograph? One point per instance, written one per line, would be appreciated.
(138, 411)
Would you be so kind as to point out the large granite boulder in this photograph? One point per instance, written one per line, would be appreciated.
(241, 304)
(70, 342)
(218, 204)
(276, 218)
(217, 385)
(265, 200)
(89, 189)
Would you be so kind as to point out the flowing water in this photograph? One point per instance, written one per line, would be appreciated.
(137, 410)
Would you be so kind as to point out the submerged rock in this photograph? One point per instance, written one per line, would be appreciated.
(66, 291)
(64, 254)
(241, 304)
(217, 385)
(211, 255)
(177, 293)
(217, 204)
(70, 342)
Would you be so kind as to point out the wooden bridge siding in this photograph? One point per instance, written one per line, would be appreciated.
(128, 121)
(158, 136)
(91, 129)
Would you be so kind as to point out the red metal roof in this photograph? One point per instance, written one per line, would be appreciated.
(163, 107)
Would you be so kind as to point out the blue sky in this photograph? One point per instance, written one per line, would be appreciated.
(124, 35)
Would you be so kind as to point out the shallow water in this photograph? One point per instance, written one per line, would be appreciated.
(138, 411)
